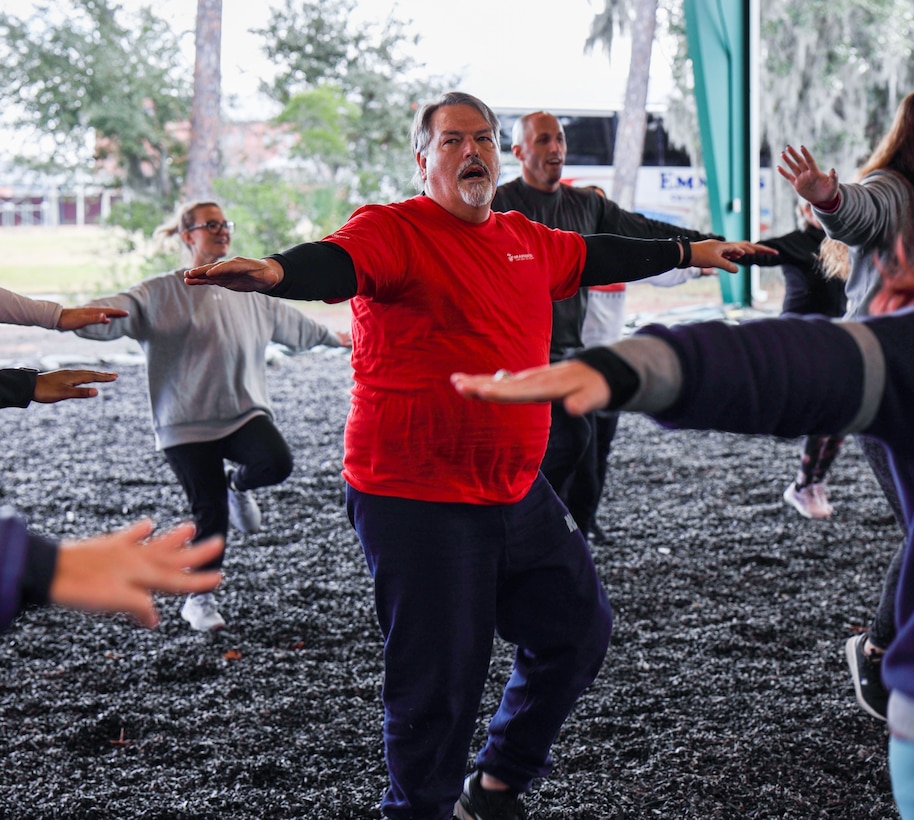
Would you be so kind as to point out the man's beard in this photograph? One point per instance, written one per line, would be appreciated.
(475, 194)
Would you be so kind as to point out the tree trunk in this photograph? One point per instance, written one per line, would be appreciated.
(629, 146)
(203, 159)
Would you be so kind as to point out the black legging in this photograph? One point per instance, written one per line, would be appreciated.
(882, 630)
(263, 457)
(818, 454)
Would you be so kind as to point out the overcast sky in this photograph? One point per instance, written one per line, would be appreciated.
(508, 52)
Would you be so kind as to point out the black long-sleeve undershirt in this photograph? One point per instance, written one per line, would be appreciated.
(324, 271)
(17, 387)
(316, 271)
(621, 377)
(612, 258)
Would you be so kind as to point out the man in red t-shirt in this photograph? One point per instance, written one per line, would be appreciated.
(462, 534)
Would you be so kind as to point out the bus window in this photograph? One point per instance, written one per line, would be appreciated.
(657, 147)
(590, 138)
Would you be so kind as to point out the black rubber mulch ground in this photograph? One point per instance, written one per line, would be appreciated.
(725, 694)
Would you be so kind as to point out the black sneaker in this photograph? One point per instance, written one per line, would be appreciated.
(477, 803)
(871, 694)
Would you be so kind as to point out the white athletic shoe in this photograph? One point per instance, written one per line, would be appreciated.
(201, 613)
(243, 510)
(822, 496)
(808, 501)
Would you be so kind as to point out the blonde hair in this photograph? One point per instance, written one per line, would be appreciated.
(834, 259)
(895, 152)
(168, 234)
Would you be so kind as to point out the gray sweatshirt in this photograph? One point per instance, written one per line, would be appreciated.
(16, 309)
(872, 213)
(205, 349)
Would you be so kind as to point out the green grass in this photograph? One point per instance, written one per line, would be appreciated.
(75, 263)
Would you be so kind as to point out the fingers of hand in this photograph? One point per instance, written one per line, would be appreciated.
(137, 531)
(808, 158)
(796, 161)
(199, 554)
(86, 376)
(146, 613)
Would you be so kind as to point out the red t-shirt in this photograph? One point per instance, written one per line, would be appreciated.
(437, 295)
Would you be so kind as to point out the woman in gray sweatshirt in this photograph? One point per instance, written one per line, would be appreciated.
(205, 363)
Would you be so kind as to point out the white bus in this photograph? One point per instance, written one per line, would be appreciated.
(669, 187)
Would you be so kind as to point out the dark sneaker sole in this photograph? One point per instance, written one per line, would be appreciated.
(850, 651)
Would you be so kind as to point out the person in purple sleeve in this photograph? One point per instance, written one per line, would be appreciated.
(787, 377)
(108, 573)
(112, 572)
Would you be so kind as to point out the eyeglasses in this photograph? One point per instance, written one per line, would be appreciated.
(214, 227)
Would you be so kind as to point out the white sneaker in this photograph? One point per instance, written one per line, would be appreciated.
(822, 495)
(243, 510)
(807, 501)
(201, 613)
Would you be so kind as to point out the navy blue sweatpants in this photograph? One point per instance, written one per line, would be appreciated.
(448, 577)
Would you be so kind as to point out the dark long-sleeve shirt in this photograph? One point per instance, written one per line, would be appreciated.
(27, 565)
(17, 387)
(584, 212)
(324, 271)
(26, 561)
(788, 377)
(807, 289)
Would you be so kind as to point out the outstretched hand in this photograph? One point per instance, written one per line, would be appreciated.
(581, 388)
(712, 253)
(807, 179)
(239, 274)
(64, 384)
(118, 571)
(75, 318)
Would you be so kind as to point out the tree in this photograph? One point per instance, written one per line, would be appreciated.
(640, 21)
(80, 69)
(350, 92)
(203, 157)
(834, 72)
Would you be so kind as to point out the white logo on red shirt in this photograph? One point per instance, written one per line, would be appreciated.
(520, 257)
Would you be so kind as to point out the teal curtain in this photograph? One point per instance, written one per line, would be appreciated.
(721, 47)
